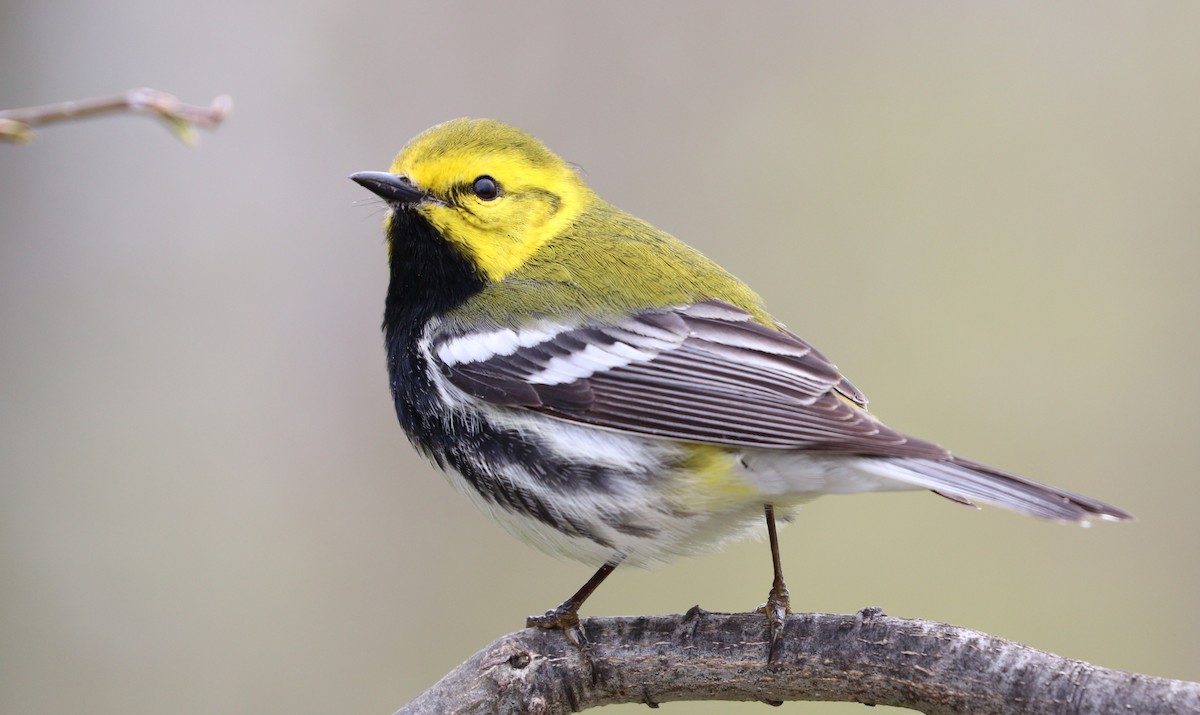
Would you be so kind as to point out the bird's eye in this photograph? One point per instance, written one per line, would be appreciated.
(485, 187)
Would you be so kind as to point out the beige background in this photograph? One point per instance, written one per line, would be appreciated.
(987, 214)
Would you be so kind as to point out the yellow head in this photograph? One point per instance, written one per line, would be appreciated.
(492, 190)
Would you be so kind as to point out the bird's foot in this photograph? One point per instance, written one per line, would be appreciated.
(777, 608)
(566, 619)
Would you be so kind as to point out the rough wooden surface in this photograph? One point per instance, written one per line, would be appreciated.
(867, 657)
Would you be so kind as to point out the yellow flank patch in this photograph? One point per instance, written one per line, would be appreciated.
(707, 478)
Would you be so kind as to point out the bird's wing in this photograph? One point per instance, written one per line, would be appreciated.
(704, 373)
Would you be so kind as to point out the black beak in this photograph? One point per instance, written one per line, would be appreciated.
(392, 188)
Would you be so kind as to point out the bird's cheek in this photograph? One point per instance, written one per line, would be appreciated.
(444, 221)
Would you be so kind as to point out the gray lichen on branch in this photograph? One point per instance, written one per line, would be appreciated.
(867, 657)
(16, 125)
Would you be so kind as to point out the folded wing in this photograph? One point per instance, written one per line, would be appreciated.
(703, 373)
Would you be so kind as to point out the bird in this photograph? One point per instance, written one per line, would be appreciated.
(606, 392)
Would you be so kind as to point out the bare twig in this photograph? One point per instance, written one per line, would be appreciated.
(17, 124)
(869, 658)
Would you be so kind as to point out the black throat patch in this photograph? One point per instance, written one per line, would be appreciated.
(429, 276)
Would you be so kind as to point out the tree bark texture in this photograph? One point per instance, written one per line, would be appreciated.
(867, 657)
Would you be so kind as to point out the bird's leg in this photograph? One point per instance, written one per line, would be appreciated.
(778, 604)
(566, 616)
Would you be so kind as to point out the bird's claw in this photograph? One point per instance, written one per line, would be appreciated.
(776, 609)
(566, 620)
(560, 617)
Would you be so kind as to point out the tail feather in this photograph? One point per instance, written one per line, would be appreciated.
(965, 481)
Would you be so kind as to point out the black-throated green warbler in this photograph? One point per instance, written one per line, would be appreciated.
(606, 392)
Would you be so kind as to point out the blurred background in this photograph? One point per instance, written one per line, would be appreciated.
(986, 214)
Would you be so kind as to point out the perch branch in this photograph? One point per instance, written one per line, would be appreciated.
(17, 124)
(868, 658)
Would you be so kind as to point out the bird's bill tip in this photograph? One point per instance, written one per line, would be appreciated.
(393, 188)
